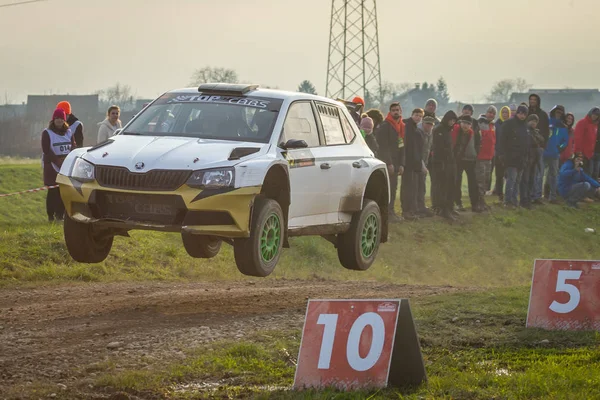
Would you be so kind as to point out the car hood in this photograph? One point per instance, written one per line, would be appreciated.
(145, 153)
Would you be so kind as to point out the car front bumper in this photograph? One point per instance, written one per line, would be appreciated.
(214, 212)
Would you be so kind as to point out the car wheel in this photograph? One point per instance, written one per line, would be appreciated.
(258, 255)
(84, 243)
(357, 248)
(201, 246)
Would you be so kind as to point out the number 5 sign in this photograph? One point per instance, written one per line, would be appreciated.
(351, 344)
(565, 295)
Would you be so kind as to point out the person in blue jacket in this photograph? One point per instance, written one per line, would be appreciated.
(557, 143)
(573, 184)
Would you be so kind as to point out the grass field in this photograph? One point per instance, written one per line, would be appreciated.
(487, 250)
(475, 344)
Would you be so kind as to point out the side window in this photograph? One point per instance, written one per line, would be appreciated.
(300, 124)
(349, 133)
(332, 127)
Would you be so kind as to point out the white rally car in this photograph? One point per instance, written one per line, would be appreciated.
(234, 164)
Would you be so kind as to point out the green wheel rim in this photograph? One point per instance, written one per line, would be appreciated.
(368, 240)
(270, 238)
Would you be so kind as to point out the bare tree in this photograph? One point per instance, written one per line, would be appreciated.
(502, 90)
(379, 97)
(522, 85)
(214, 75)
(118, 94)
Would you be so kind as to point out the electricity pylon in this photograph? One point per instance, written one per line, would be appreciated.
(353, 65)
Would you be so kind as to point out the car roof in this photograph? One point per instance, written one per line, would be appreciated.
(271, 93)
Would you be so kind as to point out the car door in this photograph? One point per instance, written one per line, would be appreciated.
(343, 154)
(308, 178)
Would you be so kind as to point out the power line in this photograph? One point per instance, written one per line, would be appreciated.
(20, 3)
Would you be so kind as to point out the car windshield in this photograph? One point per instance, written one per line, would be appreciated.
(240, 118)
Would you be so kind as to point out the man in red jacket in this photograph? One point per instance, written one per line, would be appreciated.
(483, 166)
(586, 132)
(390, 138)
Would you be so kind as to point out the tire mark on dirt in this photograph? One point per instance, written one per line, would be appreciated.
(58, 333)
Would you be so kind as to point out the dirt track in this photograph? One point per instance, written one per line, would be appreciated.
(57, 334)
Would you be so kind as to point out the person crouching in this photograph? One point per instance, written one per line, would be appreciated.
(574, 185)
(57, 142)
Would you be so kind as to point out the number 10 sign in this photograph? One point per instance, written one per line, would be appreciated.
(353, 344)
(565, 295)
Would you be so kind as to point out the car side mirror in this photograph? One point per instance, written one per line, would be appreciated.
(294, 144)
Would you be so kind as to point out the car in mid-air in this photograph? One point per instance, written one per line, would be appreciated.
(232, 164)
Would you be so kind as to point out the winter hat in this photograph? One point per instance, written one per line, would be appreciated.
(492, 108)
(468, 107)
(366, 124)
(513, 107)
(466, 119)
(522, 109)
(59, 113)
(429, 120)
(66, 106)
(533, 117)
(358, 100)
(431, 101)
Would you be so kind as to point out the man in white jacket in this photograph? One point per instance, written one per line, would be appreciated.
(110, 124)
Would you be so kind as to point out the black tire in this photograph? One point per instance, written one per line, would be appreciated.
(248, 252)
(350, 244)
(86, 244)
(201, 246)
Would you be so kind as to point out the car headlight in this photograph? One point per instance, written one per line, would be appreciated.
(83, 171)
(212, 179)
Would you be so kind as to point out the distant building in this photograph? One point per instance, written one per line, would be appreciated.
(85, 107)
(577, 101)
(41, 107)
(414, 98)
(8, 111)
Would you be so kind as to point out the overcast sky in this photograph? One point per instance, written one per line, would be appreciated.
(80, 46)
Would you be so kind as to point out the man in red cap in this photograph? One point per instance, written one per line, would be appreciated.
(75, 125)
(357, 112)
